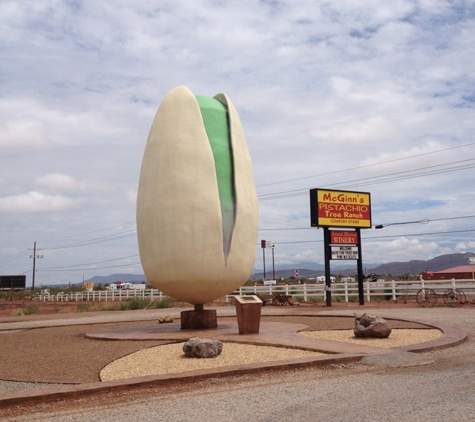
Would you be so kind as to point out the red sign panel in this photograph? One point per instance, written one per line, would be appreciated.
(340, 237)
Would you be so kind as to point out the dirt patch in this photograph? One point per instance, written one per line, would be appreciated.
(30, 308)
(34, 307)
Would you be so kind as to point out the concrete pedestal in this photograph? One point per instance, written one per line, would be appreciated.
(248, 311)
(199, 319)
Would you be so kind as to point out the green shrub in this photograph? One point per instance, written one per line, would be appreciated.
(123, 306)
(82, 307)
(109, 308)
(137, 303)
(32, 309)
(389, 294)
(166, 302)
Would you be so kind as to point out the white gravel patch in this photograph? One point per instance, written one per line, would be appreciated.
(169, 359)
(398, 337)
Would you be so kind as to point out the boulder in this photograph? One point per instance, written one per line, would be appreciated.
(202, 348)
(164, 319)
(371, 326)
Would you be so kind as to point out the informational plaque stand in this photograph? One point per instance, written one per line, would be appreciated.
(248, 310)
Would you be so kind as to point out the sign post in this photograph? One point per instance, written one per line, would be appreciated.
(263, 246)
(471, 261)
(268, 244)
(327, 255)
(342, 209)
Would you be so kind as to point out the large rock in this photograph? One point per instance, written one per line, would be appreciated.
(202, 348)
(371, 326)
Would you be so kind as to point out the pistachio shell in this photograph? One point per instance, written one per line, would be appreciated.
(179, 222)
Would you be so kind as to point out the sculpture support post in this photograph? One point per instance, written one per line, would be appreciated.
(199, 319)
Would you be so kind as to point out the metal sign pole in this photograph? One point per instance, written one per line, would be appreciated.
(328, 283)
(263, 246)
(273, 263)
(359, 264)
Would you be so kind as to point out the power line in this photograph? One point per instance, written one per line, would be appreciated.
(96, 231)
(94, 268)
(428, 221)
(14, 257)
(390, 177)
(381, 237)
(89, 263)
(367, 165)
(128, 233)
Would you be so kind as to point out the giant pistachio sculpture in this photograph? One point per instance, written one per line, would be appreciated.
(197, 211)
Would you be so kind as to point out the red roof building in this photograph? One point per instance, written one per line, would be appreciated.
(460, 272)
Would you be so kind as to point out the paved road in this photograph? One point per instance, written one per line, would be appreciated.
(443, 391)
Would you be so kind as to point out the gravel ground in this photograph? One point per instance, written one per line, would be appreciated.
(439, 392)
(63, 354)
(397, 338)
(170, 359)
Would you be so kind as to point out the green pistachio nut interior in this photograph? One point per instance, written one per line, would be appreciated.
(215, 119)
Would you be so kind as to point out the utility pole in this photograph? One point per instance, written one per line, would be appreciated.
(34, 256)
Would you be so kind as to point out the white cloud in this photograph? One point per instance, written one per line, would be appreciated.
(21, 134)
(59, 182)
(401, 249)
(466, 246)
(132, 196)
(35, 202)
(331, 94)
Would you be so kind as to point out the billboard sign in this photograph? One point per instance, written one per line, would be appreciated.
(12, 282)
(332, 208)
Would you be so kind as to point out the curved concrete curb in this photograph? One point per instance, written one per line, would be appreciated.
(341, 353)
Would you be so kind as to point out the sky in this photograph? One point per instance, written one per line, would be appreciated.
(375, 96)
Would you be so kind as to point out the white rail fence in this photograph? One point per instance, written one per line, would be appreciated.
(347, 292)
(102, 295)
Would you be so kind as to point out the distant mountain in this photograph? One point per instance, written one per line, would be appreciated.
(438, 263)
(414, 267)
(307, 265)
(313, 269)
(125, 278)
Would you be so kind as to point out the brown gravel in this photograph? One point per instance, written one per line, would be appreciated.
(61, 354)
(64, 355)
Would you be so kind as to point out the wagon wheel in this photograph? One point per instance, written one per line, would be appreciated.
(281, 300)
(454, 298)
(427, 298)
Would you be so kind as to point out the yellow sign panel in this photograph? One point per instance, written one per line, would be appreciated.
(332, 208)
